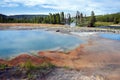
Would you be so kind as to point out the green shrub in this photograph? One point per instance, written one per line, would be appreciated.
(30, 76)
(45, 65)
(83, 24)
(27, 65)
(3, 66)
(66, 67)
(30, 66)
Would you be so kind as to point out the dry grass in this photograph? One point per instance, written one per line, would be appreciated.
(103, 23)
(29, 24)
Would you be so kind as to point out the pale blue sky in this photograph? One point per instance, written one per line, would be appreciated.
(11, 7)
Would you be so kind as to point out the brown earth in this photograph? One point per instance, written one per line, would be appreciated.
(24, 58)
(29, 24)
(3, 61)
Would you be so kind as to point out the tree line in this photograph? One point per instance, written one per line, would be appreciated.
(61, 18)
(82, 20)
(57, 18)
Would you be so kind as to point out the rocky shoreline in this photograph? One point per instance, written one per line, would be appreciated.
(77, 29)
(63, 29)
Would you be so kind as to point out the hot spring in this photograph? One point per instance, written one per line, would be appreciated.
(14, 42)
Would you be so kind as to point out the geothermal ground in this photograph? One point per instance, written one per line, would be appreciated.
(97, 59)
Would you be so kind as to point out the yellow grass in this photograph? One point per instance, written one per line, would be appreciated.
(103, 23)
(29, 24)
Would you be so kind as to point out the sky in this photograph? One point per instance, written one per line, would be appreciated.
(16, 7)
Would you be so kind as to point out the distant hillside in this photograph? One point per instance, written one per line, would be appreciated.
(21, 18)
(2, 16)
(115, 17)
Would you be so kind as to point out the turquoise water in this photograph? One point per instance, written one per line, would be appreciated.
(111, 36)
(14, 42)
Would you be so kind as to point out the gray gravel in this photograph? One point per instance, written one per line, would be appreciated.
(65, 29)
(65, 74)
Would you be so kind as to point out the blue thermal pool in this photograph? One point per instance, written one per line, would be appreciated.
(111, 36)
(15, 42)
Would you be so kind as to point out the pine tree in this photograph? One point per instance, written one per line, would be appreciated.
(62, 19)
(54, 19)
(92, 19)
(69, 18)
(81, 18)
(115, 21)
(50, 16)
(77, 17)
(57, 18)
(1, 20)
